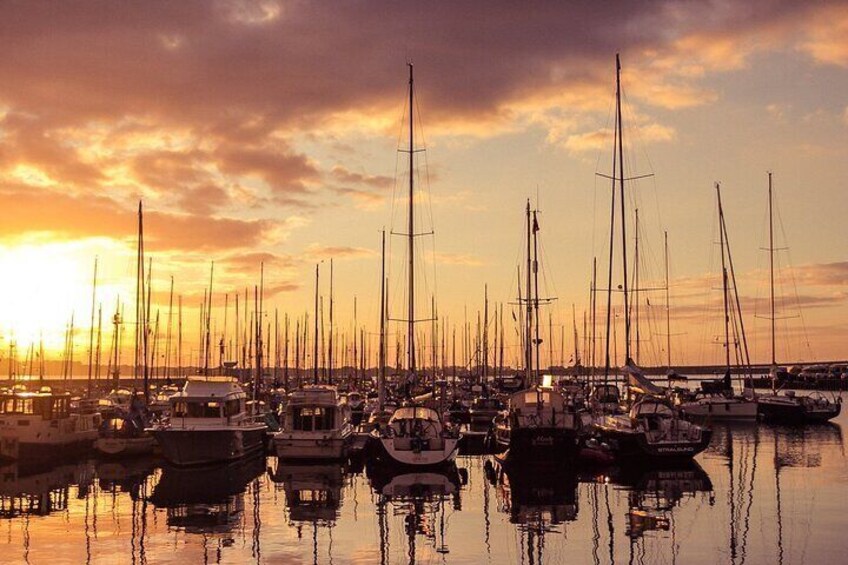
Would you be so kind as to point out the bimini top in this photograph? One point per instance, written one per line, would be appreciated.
(415, 413)
(210, 387)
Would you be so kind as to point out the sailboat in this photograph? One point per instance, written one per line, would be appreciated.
(123, 430)
(415, 435)
(652, 428)
(787, 407)
(540, 423)
(723, 404)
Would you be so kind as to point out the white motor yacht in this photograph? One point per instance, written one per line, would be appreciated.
(209, 423)
(316, 425)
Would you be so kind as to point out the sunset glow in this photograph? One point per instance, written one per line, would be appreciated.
(268, 133)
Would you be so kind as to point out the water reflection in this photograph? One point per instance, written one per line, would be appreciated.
(206, 499)
(422, 499)
(313, 492)
(41, 490)
(759, 494)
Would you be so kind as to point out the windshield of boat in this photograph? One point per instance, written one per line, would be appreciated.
(312, 418)
(651, 408)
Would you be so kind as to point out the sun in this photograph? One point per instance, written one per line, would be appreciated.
(44, 284)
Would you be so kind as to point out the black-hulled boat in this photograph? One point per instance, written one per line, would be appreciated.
(539, 425)
(652, 430)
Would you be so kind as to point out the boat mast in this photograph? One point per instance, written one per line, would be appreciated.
(315, 341)
(636, 287)
(620, 135)
(723, 279)
(411, 234)
(91, 329)
(771, 271)
(536, 340)
(667, 307)
(330, 344)
(381, 392)
(207, 338)
(528, 318)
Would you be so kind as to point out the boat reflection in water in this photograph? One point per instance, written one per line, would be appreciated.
(129, 476)
(655, 493)
(422, 498)
(41, 490)
(313, 492)
(206, 499)
(536, 496)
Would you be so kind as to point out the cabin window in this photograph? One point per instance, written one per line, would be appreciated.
(197, 409)
(24, 406)
(310, 419)
(60, 407)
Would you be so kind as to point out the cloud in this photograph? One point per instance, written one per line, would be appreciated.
(346, 176)
(320, 252)
(822, 274)
(826, 36)
(463, 259)
(45, 211)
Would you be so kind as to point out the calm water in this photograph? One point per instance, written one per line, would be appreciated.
(760, 494)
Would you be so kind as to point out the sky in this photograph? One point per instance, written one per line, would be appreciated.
(268, 133)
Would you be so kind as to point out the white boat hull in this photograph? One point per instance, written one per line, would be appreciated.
(422, 457)
(296, 447)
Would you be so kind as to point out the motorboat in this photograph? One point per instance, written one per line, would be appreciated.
(316, 425)
(209, 423)
(42, 425)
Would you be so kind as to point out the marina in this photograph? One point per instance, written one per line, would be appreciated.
(468, 282)
(767, 494)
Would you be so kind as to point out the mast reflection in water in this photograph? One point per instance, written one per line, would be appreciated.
(759, 494)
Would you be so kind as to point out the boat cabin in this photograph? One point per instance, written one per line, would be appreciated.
(46, 405)
(539, 406)
(416, 428)
(209, 400)
(315, 409)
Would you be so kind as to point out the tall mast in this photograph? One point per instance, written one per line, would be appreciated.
(139, 296)
(485, 331)
(169, 334)
(723, 279)
(91, 329)
(207, 321)
(636, 285)
(667, 306)
(411, 232)
(315, 344)
(536, 341)
(771, 271)
(620, 135)
(330, 345)
(528, 330)
(382, 353)
(593, 317)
